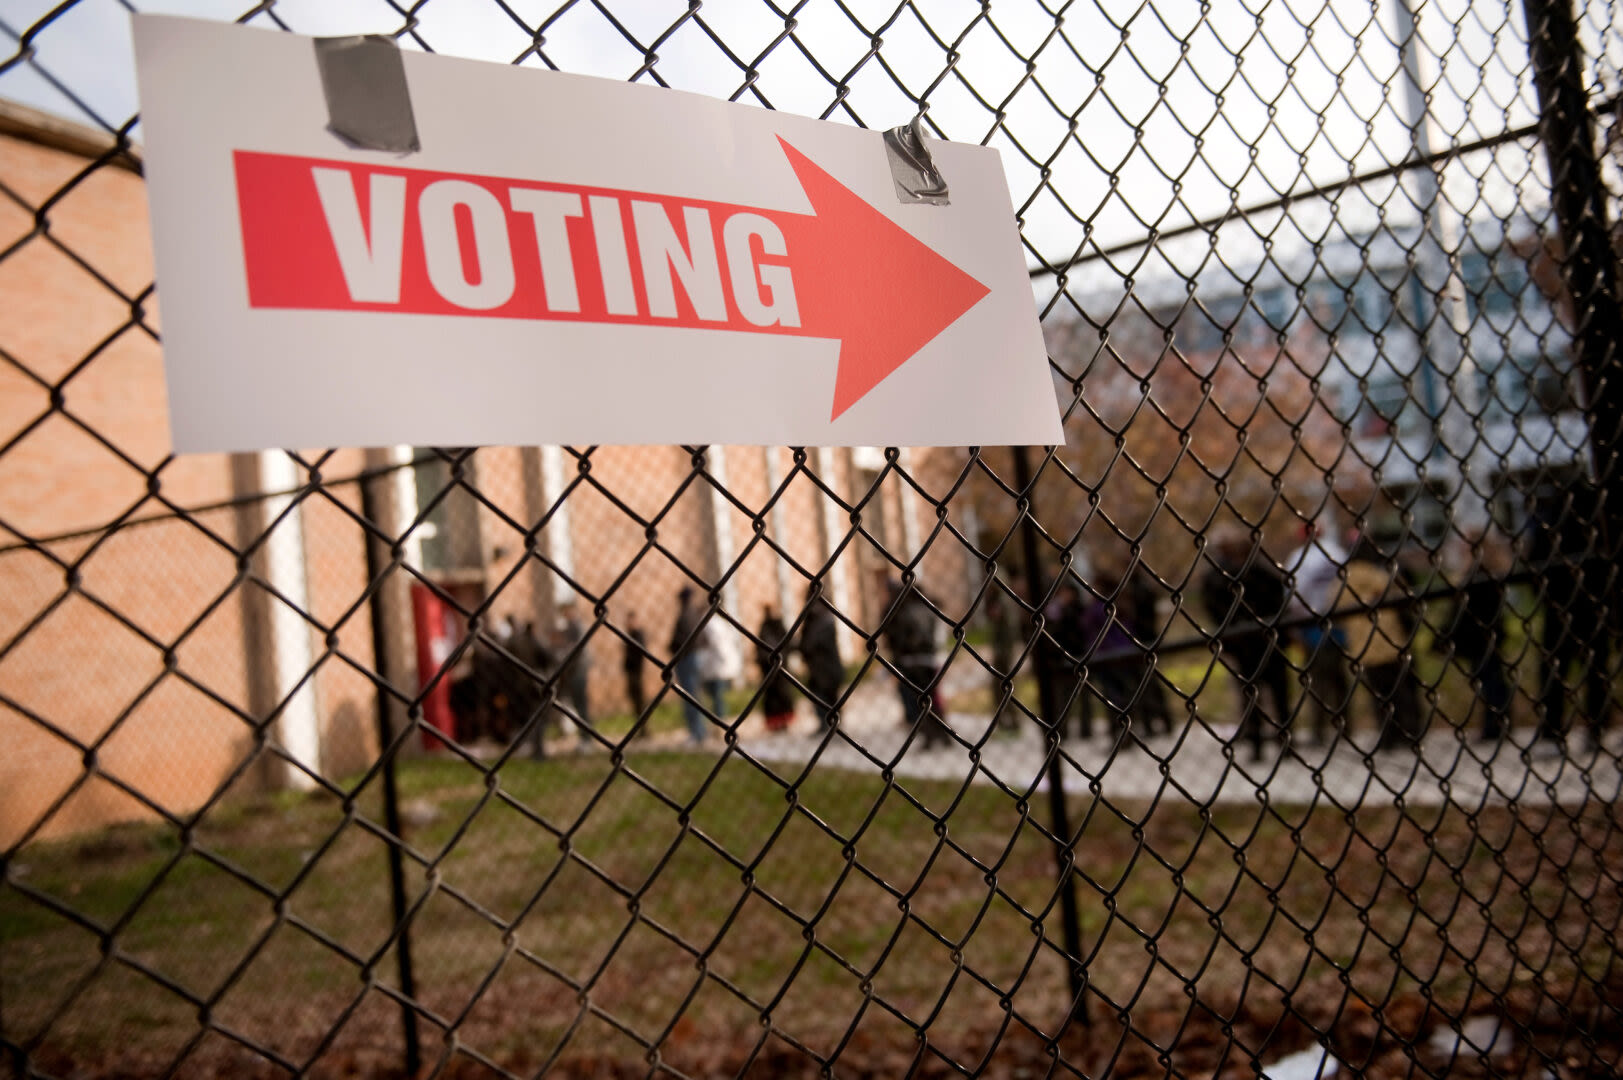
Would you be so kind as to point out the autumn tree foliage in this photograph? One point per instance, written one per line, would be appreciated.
(1166, 443)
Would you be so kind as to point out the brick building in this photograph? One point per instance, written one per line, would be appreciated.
(133, 634)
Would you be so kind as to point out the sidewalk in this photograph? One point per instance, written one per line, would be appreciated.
(1189, 765)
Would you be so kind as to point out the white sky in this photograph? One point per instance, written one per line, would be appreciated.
(1328, 69)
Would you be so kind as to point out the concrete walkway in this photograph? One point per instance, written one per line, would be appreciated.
(1192, 765)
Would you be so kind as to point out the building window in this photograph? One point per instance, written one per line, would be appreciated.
(1387, 400)
(1327, 301)
(1373, 306)
(1201, 331)
(1275, 305)
(450, 529)
(1494, 285)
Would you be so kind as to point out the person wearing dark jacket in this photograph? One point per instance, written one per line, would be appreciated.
(1244, 597)
(632, 663)
(490, 678)
(1105, 647)
(820, 648)
(910, 633)
(684, 650)
(1139, 613)
(1577, 620)
(1477, 630)
(1059, 652)
(530, 686)
(777, 696)
(576, 674)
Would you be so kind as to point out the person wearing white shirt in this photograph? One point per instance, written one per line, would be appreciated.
(1315, 572)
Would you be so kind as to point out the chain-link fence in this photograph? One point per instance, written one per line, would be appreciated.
(1263, 728)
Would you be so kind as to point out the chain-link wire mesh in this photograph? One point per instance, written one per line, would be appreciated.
(1263, 728)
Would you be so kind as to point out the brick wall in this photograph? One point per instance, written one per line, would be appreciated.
(63, 658)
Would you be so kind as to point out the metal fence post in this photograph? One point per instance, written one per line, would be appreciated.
(1588, 265)
(378, 561)
(1053, 713)
(1578, 197)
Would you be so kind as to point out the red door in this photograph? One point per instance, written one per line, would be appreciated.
(437, 637)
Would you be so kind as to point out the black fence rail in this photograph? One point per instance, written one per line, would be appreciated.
(1264, 728)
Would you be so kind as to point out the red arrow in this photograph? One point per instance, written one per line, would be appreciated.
(872, 284)
(358, 244)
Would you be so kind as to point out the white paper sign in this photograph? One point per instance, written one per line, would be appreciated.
(566, 260)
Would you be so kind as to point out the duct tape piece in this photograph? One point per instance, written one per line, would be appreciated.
(364, 81)
(912, 168)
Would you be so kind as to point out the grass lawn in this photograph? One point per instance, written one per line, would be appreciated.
(577, 908)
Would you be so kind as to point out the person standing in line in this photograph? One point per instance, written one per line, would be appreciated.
(685, 646)
(632, 663)
(1059, 653)
(530, 698)
(777, 696)
(1105, 648)
(1578, 620)
(1244, 596)
(489, 698)
(1478, 628)
(576, 674)
(465, 693)
(1141, 618)
(717, 666)
(910, 634)
(820, 648)
(1000, 620)
(1377, 639)
(503, 678)
(1314, 572)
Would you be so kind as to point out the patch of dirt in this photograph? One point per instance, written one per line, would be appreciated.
(1225, 1040)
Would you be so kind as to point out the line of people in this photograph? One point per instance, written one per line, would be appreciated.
(502, 687)
(1353, 618)
(1338, 624)
(1301, 639)
(910, 632)
(1120, 626)
(1342, 614)
(704, 669)
(1356, 617)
